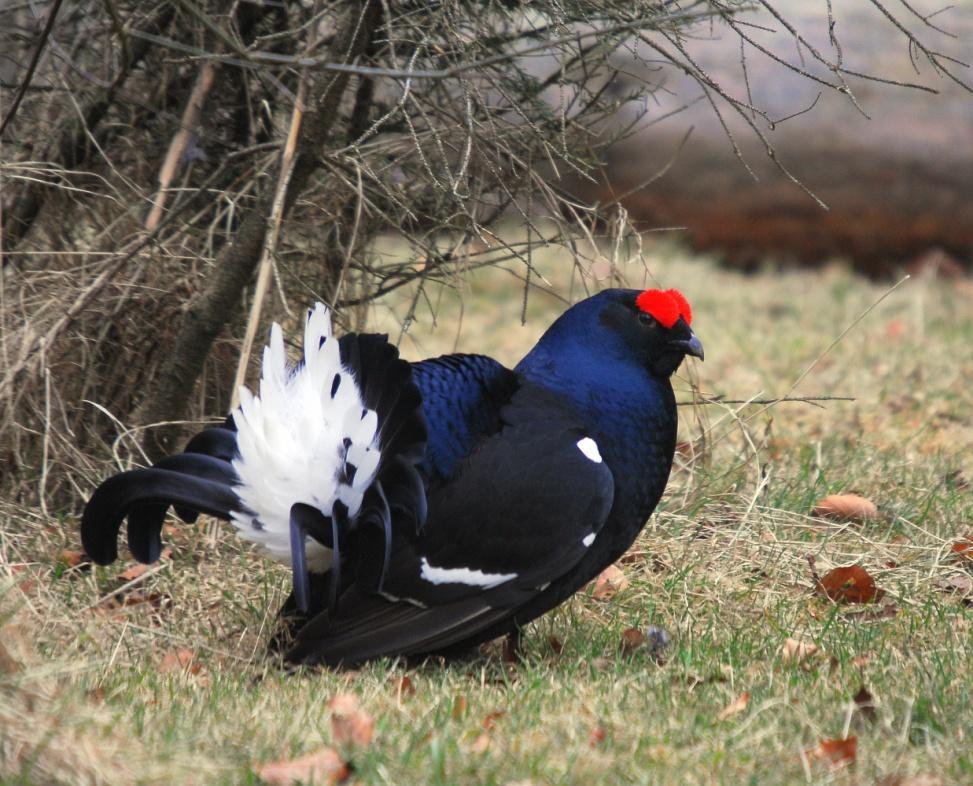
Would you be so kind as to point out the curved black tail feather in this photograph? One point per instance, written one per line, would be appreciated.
(145, 492)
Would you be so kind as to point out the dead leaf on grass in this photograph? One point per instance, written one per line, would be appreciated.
(835, 753)
(848, 584)
(481, 743)
(632, 639)
(963, 548)
(322, 766)
(181, 660)
(73, 559)
(349, 724)
(895, 328)
(491, 718)
(846, 507)
(735, 707)
(960, 584)
(404, 687)
(796, 651)
(609, 582)
(459, 707)
(597, 736)
(140, 568)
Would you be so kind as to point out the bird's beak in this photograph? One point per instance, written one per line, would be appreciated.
(691, 346)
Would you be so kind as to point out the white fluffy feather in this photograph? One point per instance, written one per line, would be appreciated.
(290, 441)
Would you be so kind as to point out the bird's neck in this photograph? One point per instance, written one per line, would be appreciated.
(630, 411)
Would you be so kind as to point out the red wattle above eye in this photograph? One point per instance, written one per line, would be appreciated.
(665, 306)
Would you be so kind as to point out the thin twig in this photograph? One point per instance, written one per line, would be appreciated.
(35, 59)
(270, 242)
(812, 400)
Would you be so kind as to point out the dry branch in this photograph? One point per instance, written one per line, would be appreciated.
(179, 143)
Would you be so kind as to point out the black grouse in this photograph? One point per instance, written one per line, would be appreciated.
(427, 507)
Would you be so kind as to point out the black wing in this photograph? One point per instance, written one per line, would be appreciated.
(521, 512)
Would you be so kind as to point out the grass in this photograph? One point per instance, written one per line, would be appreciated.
(721, 566)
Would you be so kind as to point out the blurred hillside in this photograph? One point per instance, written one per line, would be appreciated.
(897, 174)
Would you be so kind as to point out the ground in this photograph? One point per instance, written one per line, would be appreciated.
(168, 681)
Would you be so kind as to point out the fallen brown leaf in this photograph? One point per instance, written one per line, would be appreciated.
(491, 718)
(72, 558)
(349, 724)
(322, 766)
(609, 582)
(960, 584)
(481, 743)
(963, 548)
(140, 568)
(735, 707)
(836, 753)
(596, 737)
(895, 328)
(795, 651)
(132, 573)
(459, 707)
(632, 639)
(181, 660)
(404, 687)
(846, 507)
(849, 584)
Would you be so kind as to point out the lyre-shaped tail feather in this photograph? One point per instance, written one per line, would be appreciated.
(323, 433)
(143, 495)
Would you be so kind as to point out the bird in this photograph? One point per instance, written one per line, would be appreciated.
(427, 507)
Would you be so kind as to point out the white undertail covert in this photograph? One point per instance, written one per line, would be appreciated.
(291, 440)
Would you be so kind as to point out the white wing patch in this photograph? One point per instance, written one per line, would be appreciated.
(290, 440)
(588, 539)
(472, 578)
(590, 449)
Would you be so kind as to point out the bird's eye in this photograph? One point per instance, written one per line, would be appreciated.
(646, 319)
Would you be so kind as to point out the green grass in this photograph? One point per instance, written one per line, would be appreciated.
(721, 566)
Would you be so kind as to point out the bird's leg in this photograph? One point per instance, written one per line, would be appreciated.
(512, 646)
(305, 520)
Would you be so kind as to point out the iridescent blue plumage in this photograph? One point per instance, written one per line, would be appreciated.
(462, 396)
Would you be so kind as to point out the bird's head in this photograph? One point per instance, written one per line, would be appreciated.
(649, 329)
(654, 326)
